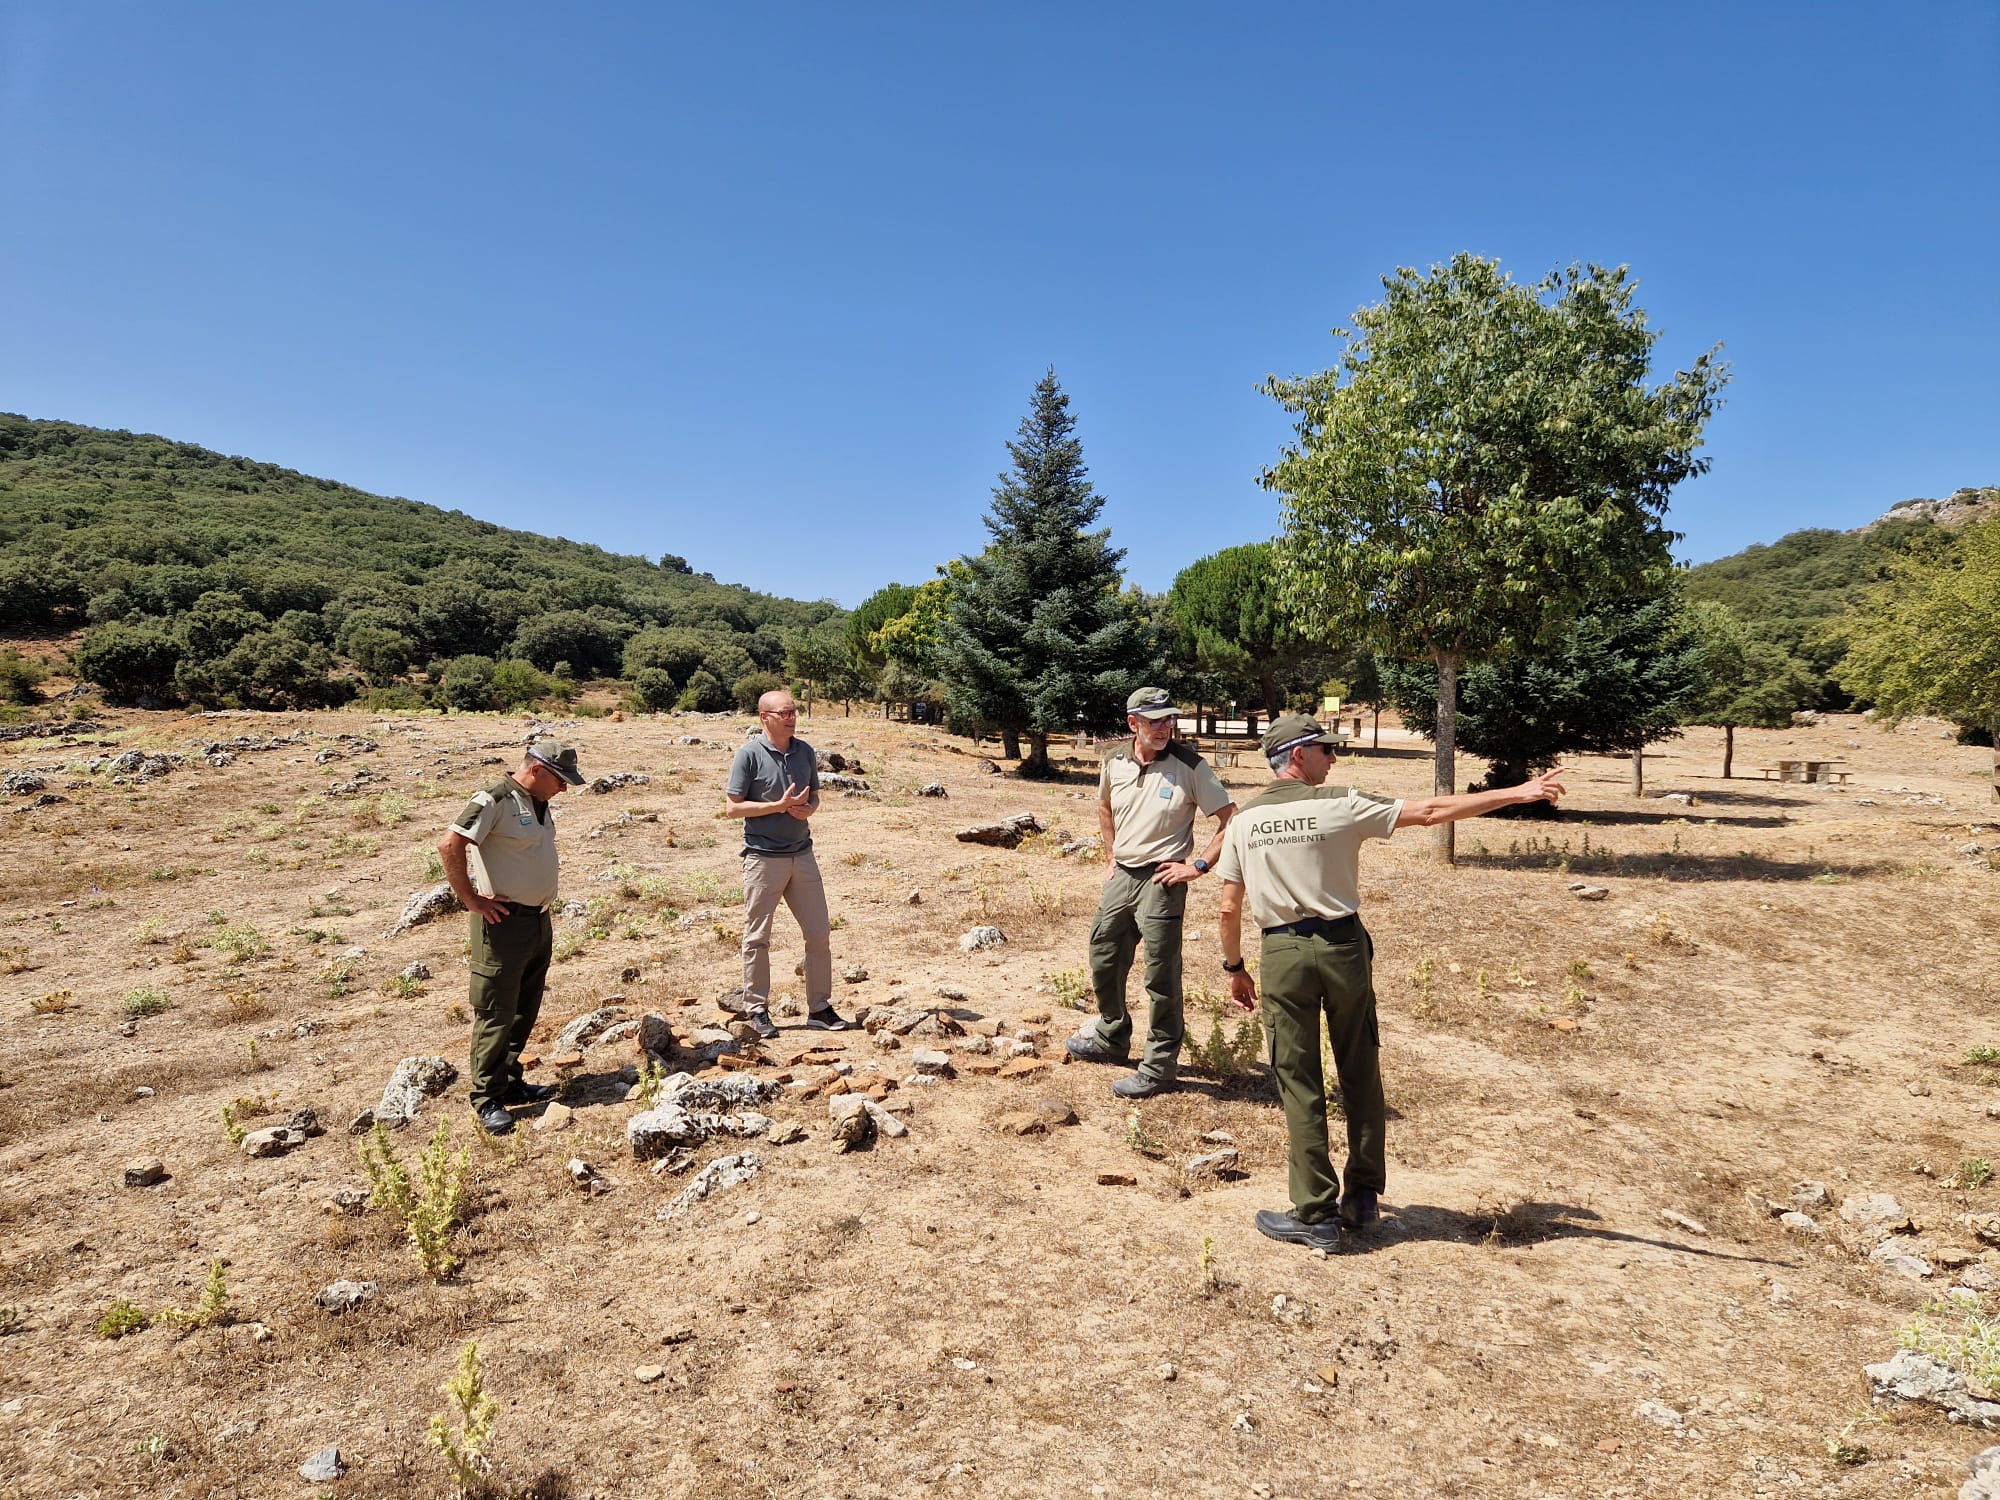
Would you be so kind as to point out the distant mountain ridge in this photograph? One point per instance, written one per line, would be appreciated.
(1962, 507)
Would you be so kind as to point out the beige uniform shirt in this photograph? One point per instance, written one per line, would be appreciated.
(513, 853)
(1296, 850)
(1153, 806)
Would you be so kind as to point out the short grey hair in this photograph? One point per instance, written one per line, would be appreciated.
(1281, 762)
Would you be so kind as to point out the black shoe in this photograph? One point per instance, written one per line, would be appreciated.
(761, 1023)
(532, 1093)
(1358, 1209)
(828, 1020)
(1140, 1086)
(495, 1120)
(1279, 1225)
(1087, 1048)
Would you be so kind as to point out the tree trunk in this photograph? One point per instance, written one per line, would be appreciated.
(1010, 744)
(1037, 767)
(1378, 728)
(1444, 772)
(1639, 771)
(1728, 749)
(1268, 681)
(1996, 757)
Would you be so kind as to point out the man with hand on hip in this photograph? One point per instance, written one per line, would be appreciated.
(1294, 858)
(500, 859)
(774, 788)
(1149, 792)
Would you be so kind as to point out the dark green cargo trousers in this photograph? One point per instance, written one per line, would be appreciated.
(1305, 979)
(1133, 907)
(510, 969)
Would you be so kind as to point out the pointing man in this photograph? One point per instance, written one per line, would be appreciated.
(500, 858)
(1149, 791)
(1294, 857)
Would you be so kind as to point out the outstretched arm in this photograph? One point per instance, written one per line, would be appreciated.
(1424, 812)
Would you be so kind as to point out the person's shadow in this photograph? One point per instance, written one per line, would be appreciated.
(1517, 1224)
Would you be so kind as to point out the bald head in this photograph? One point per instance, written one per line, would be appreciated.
(779, 716)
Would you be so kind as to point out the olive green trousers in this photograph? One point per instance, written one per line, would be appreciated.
(1305, 980)
(1133, 907)
(510, 969)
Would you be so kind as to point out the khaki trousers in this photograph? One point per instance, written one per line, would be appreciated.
(793, 878)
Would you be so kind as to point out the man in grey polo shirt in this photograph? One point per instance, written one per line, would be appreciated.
(774, 788)
(1149, 791)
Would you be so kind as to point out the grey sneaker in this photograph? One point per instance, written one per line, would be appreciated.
(1085, 1047)
(1140, 1086)
(1281, 1224)
(761, 1022)
(828, 1020)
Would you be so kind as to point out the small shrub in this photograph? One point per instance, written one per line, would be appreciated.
(1982, 1055)
(210, 1311)
(1973, 1173)
(1972, 1347)
(385, 811)
(1422, 979)
(433, 868)
(244, 1107)
(1225, 1055)
(476, 1413)
(242, 942)
(145, 1001)
(403, 986)
(52, 1004)
(432, 1206)
(246, 1005)
(1072, 986)
(20, 678)
(339, 976)
(16, 961)
(121, 1318)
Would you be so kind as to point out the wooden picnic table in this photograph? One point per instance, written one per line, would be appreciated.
(1808, 771)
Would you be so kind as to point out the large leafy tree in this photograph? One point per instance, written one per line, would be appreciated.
(1484, 463)
(1616, 681)
(1927, 639)
(1745, 682)
(1227, 605)
(1038, 637)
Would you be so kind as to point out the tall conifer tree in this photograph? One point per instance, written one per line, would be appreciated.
(1038, 638)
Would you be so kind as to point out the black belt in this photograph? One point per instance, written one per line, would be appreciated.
(522, 909)
(1335, 929)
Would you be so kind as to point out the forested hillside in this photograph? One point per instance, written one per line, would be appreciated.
(221, 579)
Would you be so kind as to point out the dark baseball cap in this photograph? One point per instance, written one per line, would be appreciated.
(559, 758)
(1151, 703)
(1292, 730)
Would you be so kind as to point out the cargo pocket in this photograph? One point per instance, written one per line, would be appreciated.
(486, 976)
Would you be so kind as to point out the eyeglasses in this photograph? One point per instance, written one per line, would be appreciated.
(778, 713)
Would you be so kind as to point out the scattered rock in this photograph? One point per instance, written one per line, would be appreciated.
(648, 1374)
(1021, 1122)
(1006, 834)
(1168, 1372)
(1911, 1376)
(417, 972)
(362, 1123)
(1682, 1221)
(668, 1126)
(854, 974)
(885, 1122)
(20, 783)
(980, 938)
(932, 789)
(1244, 1425)
(1979, 1278)
(1214, 1164)
(305, 1122)
(1985, 1226)
(556, 1117)
(587, 1028)
(415, 1079)
(145, 1171)
(1877, 1216)
(1661, 1415)
(275, 1141)
(587, 1178)
(1985, 1481)
(1803, 1225)
(426, 906)
(1811, 1195)
(350, 1201)
(1893, 1258)
(853, 1125)
(723, 1172)
(1023, 1067)
(1217, 1138)
(1116, 1179)
(930, 1060)
(616, 779)
(343, 1295)
(323, 1467)
(787, 1135)
(915, 898)
(1055, 1111)
(1584, 892)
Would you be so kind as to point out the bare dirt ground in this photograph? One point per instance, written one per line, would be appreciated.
(1782, 985)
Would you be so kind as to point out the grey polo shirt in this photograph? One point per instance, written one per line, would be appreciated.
(760, 773)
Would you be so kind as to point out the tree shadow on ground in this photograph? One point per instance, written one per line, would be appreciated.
(1522, 1224)
(1689, 868)
(1688, 815)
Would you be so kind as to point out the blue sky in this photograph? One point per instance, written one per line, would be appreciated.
(769, 285)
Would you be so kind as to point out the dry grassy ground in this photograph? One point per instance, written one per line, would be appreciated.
(1781, 985)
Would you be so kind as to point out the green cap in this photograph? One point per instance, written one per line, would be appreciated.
(1292, 730)
(1151, 703)
(558, 757)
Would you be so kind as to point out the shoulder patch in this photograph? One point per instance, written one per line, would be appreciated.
(482, 799)
(1118, 750)
(1185, 753)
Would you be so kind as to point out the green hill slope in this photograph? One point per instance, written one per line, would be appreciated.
(166, 542)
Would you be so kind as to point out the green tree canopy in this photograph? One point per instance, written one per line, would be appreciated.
(1744, 682)
(1927, 639)
(1227, 605)
(1485, 463)
(1038, 637)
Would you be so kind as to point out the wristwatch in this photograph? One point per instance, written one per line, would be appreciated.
(1233, 968)
(1201, 867)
